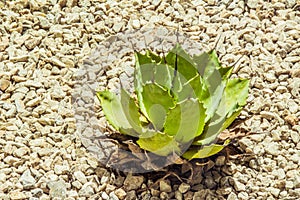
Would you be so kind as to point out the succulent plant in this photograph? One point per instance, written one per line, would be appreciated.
(180, 105)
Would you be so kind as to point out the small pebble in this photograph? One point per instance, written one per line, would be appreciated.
(183, 188)
(164, 186)
(133, 182)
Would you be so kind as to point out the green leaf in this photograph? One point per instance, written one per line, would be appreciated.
(131, 111)
(212, 102)
(157, 102)
(114, 113)
(111, 107)
(214, 59)
(201, 61)
(154, 57)
(225, 72)
(205, 151)
(144, 72)
(230, 119)
(144, 68)
(163, 75)
(160, 144)
(142, 59)
(177, 57)
(147, 72)
(185, 121)
(211, 131)
(236, 94)
(194, 88)
(233, 98)
(213, 85)
(214, 127)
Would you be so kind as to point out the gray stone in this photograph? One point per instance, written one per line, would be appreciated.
(2, 195)
(31, 83)
(61, 169)
(34, 102)
(43, 43)
(275, 135)
(133, 182)
(58, 189)
(72, 194)
(297, 181)
(79, 175)
(4, 84)
(87, 190)
(245, 143)
(220, 161)
(118, 26)
(120, 193)
(164, 186)
(178, 195)
(238, 186)
(37, 192)
(58, 93)
(27, 179)
(279, 173)
(295, 137)
(77, 184)
(136, 23)
(104, 179)
(104, 195)
(10, 160)
(20, 152)
(19, 105)
(243, 196)
(3, 177)
(131, 195)
(293, 106)
(232, 196)
(209, 182)
(272, 148)
(274, 191)
(289, 185)
(56, 61)
(17, 195)
(295, 157)
(184, 187)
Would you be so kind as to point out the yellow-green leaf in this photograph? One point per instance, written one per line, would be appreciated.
(185, 121)
(131, 111)
(114, 113)
(178, 58)
(160, 144)
(157, 102)
(205, 151)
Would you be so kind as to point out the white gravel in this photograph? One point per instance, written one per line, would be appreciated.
(44, 42)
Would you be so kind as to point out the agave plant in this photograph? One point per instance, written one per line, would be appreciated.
(181, 103)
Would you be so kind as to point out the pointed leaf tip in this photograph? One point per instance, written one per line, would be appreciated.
(205, 151)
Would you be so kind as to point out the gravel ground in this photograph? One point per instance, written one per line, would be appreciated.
(44, 43)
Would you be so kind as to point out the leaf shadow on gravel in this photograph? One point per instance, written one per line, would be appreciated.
(197, 179)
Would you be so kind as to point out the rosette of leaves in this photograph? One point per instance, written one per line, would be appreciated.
(181, 103)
